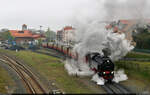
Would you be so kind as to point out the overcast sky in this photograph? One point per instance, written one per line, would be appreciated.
(58, 13)
(48, 13)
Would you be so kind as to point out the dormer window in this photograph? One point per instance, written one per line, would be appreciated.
(20, 31)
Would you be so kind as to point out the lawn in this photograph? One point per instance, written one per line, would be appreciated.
(5, 80)
(52, 69)
(137, 69)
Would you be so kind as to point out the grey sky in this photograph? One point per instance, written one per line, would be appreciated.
(48, 13)
(59, 13)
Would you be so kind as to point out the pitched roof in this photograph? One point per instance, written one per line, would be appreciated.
(36, 36)
(128, 23)
(68, 28)
(125, 21)
(25, 33)
(17, 33)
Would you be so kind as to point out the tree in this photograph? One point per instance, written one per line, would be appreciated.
(5, 35)
(142, 39)
(50, 35)
(39, 42)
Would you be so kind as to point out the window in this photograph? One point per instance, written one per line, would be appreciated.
(20, 31)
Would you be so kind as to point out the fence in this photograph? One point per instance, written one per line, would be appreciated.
(141, 50)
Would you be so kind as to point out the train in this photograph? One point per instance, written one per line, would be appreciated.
(100, 64)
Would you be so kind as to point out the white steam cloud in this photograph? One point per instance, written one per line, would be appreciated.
(97, 39)
(126, 9)
(92, 36)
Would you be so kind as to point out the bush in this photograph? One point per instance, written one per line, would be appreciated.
(138, 67)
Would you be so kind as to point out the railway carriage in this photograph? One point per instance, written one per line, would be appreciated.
(50, 45)
(74, 55)
(59, 47)
(69, 52)
(102, 65)
(55, 46)
(64, 50)
(44, 44)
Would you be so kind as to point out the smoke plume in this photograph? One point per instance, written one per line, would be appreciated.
(92, 36)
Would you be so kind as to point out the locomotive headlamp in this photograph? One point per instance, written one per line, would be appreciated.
(104, 73)
(112, 72)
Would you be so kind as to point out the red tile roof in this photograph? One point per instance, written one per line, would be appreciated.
(68, 28)
(108, 27)
(17, 33)
(125, 21)
(26, 33)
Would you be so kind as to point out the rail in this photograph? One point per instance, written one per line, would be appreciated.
(29, 79)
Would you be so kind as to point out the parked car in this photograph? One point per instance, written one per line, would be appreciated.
(16, 47)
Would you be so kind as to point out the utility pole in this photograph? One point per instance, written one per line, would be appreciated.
(41, 27)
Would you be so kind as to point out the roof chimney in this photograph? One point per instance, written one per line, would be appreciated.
(24, 27)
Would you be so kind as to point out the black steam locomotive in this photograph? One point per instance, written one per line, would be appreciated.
(102, 65)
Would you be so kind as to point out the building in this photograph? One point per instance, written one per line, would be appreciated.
(66, 35)
(59, 35)
(25, 36)
(124, 26)
(24, 27)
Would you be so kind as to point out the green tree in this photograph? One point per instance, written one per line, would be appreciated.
(50, 35)
(39, 42)
(5, 35)
(142, 39)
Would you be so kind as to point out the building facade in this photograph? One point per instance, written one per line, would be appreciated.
(59, 35)
(66, 35)
(25, 36)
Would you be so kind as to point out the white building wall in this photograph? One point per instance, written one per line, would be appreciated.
(68, 36)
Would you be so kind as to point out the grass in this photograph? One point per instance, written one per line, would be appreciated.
(5, 80)
(137, 55)
(142, 68)
(52, 69)
(136, 69)
(45, 51)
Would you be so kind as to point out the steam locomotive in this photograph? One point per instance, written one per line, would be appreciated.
(100, 64)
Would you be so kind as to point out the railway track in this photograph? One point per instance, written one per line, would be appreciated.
(115, 88)
(136, 59)
(29, 79)
(49, 53)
